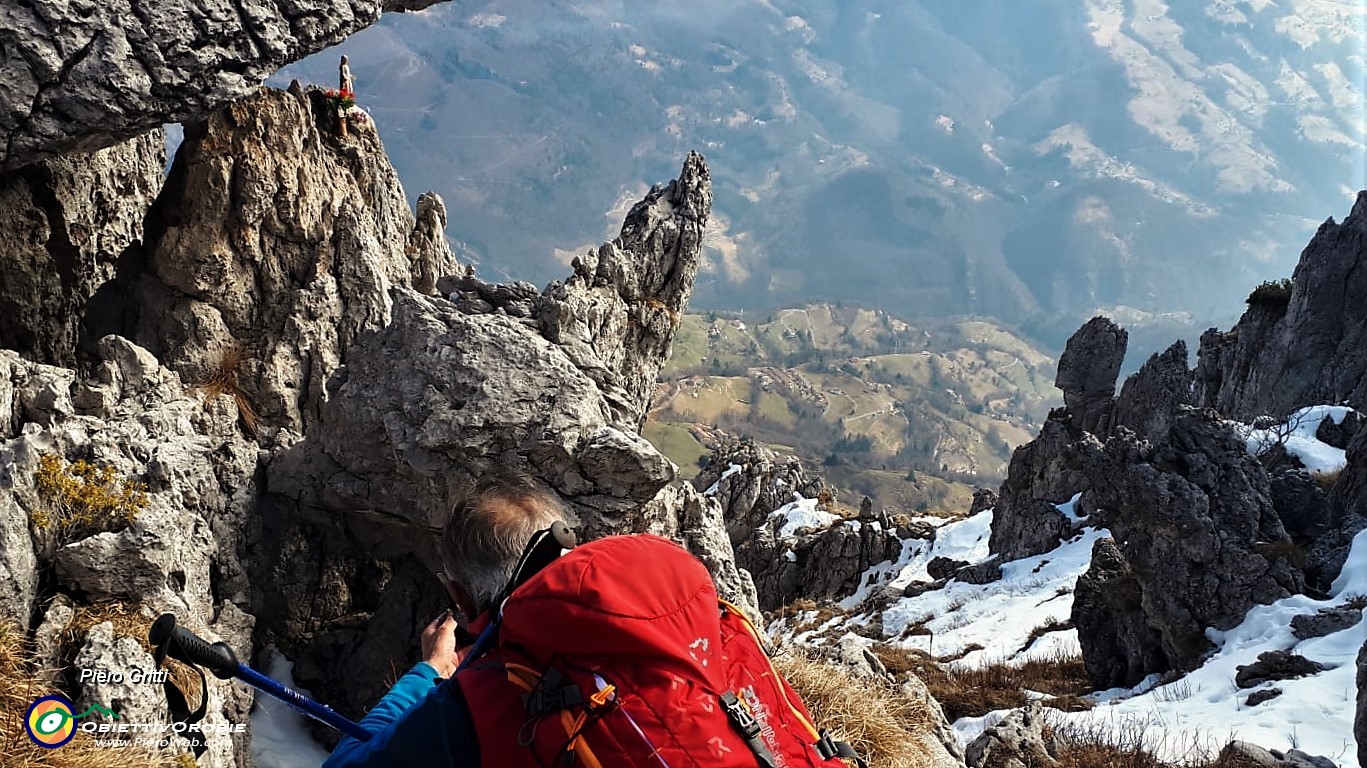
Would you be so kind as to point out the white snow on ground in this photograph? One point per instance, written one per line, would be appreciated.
(1203, 709)
(801, 513)
(1313, 714)
(1298, 435)
(731, 470)
(998, 618)
(280, 738)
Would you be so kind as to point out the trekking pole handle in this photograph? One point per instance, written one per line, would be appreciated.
(183, 645)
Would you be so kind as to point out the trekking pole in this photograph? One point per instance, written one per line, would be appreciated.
(183, 645)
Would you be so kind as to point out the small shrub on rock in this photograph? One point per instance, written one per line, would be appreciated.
(85, 499)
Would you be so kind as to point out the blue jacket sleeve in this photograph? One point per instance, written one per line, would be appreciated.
(416, 724)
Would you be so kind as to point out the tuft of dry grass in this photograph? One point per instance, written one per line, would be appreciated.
(883, 725)
(1326, 480)
(128, 621)
(822, 613)
(223, 380)
(975, 692)
(1129, 744)
(21, 682)
(84, 499)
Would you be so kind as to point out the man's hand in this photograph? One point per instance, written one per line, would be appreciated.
(439, 645)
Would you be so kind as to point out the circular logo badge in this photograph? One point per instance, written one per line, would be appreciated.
(51, 722)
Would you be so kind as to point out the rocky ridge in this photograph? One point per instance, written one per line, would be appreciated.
(79, 76)
(307, 404)
(1201, 530)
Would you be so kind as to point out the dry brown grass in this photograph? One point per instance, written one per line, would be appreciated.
(823, 613)
(884, 726)
(223, 380)
(1326, 480)
(84, 499)
(1127, 745)
(20, 683)
(975, 692)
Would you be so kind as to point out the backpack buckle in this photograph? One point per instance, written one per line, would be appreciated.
(825, 746)
(740, 716)
(749, 727)
(552, 695)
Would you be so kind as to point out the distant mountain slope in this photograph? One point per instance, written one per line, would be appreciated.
(912, 415)
(1021, 160)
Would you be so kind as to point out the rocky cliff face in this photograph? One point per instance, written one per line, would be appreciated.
(273, 248)
(1305, 347)
(1202, 530)
(308, 404)
(822, 561)
(78, 76)
(182, 552)
(68, 225)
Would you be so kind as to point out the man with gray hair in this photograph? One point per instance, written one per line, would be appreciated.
(421, 722)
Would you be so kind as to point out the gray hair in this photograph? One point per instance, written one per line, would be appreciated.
(488, 529)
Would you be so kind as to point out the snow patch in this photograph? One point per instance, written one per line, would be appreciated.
(1297, 435)
(280, 736)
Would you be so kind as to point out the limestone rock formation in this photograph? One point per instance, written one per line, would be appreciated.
(1149, 400)
(184, 548)
(1108, 600)
(751, 482)
(1305, 348)
(445, 388)
(1087, 371)
(78, 76)
(1043, 473)
(822, 563)
(615, 317)
(66, 226)
(273, 249)
(1019, 740)
(1195, 524)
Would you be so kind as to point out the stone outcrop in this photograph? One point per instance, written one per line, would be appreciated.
(751, 482)
(444, 389)
(273, 249)
(1275, 665)
(1019, 740)
(1109, 601)
(824, 563)
(1149, 400)
(1305, 348)
(1087, 371)
(77, 76)
(1195, 524)
(67, 225)
(183, 550)
(1043, 473)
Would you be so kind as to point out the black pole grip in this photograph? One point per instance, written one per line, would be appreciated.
(183, 645)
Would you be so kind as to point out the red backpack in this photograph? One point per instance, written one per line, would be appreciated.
(618, 654)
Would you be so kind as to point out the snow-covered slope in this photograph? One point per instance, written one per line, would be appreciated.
(1014, 619)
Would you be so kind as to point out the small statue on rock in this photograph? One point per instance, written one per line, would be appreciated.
(347, 81)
